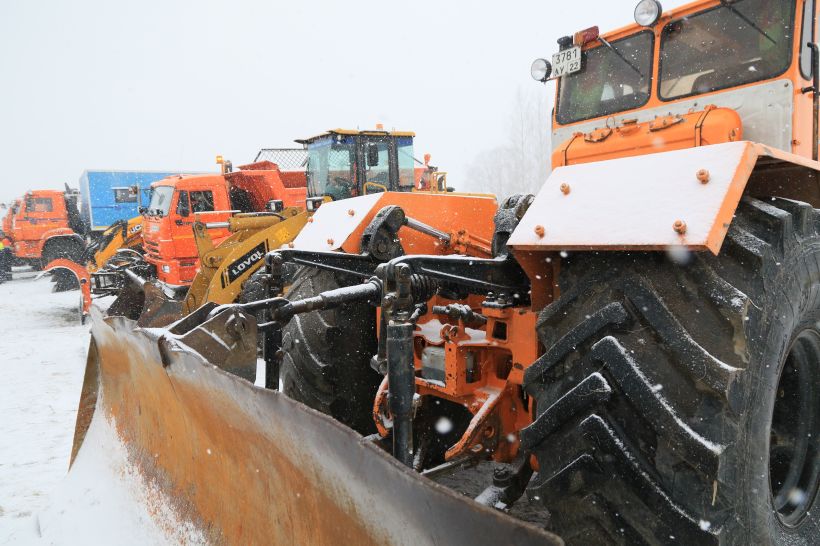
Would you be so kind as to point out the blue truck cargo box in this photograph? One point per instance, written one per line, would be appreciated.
(108, 196)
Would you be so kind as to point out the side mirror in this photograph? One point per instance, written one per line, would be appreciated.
(372, 155)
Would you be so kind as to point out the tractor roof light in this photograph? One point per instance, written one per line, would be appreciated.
(647, 12)
(541, 70)
(583, 37)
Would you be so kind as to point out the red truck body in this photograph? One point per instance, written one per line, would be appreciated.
(178, 201)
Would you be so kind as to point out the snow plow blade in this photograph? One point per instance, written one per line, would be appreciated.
(248, 465)
(66, 272)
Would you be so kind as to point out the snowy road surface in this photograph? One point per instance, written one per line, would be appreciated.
(42, 360)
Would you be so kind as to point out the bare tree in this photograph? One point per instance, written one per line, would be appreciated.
(522, 164)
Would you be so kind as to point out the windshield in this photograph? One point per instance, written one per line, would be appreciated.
(330, 167)
(734, 44)
(611, 80)
(407, 162)
(160, 200)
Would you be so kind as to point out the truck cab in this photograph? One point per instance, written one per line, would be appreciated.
(45, 225)
(178, 201)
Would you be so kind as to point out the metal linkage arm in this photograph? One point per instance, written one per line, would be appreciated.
(477, 275)
(356, 265)
(282, 310)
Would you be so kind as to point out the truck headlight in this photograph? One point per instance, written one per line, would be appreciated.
(541, 70)
(647, 12)
(166, 268)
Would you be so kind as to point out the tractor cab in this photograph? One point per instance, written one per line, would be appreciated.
(706, 73)
(345, 163)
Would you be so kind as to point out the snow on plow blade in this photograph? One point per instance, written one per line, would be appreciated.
(75, 272)
(249, 465)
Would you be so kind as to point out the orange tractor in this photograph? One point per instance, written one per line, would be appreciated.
(642, 349)
(630, 356)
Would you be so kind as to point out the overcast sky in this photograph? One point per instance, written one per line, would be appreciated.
(100, 84)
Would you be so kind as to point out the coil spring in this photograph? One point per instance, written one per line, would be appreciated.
(422, 287)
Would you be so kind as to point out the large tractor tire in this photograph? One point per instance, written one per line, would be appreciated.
(326, 362)
(679, 399)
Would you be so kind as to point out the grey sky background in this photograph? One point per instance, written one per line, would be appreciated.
(96, 84)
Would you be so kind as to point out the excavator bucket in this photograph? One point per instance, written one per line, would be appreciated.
(247, 465)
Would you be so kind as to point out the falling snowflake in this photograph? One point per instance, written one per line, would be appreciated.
(444, 425)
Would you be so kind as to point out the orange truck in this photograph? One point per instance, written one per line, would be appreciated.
(45, 225)
(178, 201)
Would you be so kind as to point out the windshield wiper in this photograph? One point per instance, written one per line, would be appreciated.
(748, 21)
(618, 53)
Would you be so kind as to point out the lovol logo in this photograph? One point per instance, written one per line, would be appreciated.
(244, 263)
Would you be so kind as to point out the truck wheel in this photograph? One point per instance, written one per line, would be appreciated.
(69, 249)
(326, 363)
(679, 397)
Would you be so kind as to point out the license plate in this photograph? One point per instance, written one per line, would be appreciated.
(566, 62)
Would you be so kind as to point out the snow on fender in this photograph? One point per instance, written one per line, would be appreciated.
(683, 198)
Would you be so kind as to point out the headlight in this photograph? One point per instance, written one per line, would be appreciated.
(313, 203)
(541, 70)
(647, 12)
(166, 268)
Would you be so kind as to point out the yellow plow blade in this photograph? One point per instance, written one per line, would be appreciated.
(248, 465)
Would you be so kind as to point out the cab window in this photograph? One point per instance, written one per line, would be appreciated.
(125, 195)
(407, 162)
(160, 202)
(377, 165)
(611, 80)
(202, 201)
(39, 204)
(183, 206)
(330, 167)
(733, 44)
(807, 36)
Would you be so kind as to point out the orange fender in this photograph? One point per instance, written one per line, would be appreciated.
(83, 278)
(56, 232)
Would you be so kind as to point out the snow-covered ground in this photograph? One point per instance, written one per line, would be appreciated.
(43, 347)
(102, 501)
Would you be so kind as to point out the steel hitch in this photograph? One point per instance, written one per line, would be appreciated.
(281, 310)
